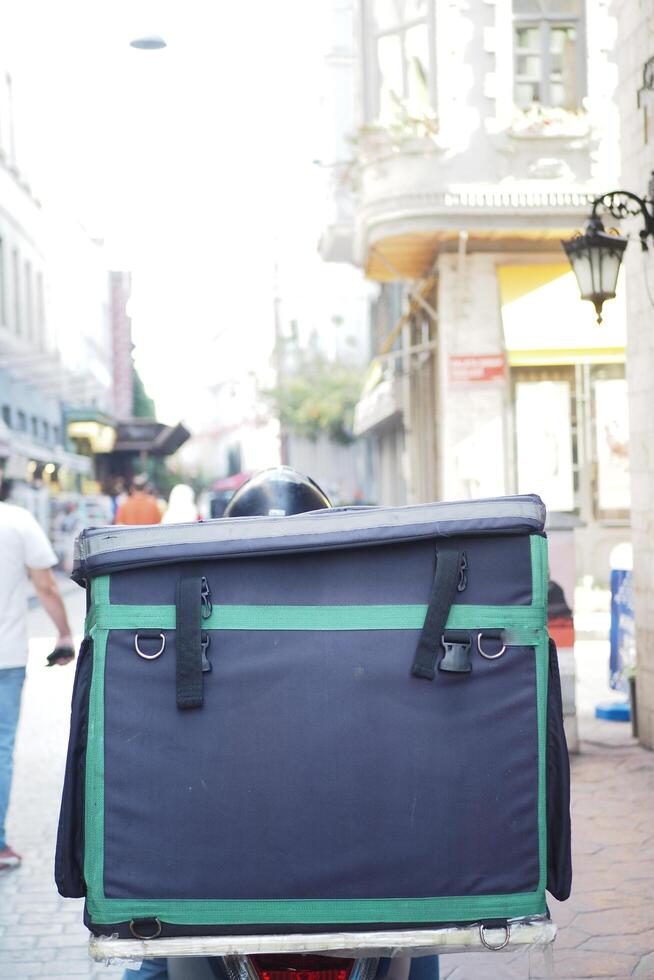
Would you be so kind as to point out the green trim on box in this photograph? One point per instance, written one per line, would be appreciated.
(94, 775)
(539, 587)
(542, 673)
(194, 912)
(538, 547)
(310, 618)
(100, 590)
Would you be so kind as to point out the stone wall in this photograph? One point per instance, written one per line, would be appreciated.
(635, 47)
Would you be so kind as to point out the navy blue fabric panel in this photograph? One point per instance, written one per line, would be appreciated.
(499, 573)
(319, 768)
(69, 854)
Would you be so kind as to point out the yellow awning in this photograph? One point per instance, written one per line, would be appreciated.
(574, 355)
(546, 322)
(101, 437)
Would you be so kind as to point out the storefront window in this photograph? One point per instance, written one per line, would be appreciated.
(572, 438)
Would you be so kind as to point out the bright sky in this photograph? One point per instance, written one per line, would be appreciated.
(193, 163)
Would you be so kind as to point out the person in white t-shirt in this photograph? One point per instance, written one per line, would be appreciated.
(25, 553)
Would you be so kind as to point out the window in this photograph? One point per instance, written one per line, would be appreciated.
(401, 34)
(548, 53)
(22, 422)
(17, 308)
(3, 287)
(35, 426)
(29, 303)
(6, 415)
(45, 431)
(40, 312)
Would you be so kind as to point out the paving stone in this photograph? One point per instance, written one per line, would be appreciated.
(80, 952)
(621, 854)
(643, 888)
(36, 929)
(24, 904)
(64, 939)
(70, 969)
(8, 956)
(616, 921)
(646, 966)
(13, 942)
(569, 938)
(639, 944)
(594, 881)
(579, 965)
(636, 869)
(486, 966)
(36, 918)
(28, 968)
(583, 847)
(600, 901)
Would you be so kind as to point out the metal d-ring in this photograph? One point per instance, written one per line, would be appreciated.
(507, 935)
(489, 656)
(149, 656)
(153, 935)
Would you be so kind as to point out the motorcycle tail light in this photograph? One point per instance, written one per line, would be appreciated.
(285, 967)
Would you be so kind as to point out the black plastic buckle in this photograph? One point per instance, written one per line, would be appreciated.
(205, 642)
(205, 599)
(456, 659)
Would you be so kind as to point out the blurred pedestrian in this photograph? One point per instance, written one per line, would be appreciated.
(182, 508)
(140, 507)
(26, 554)
(118, 496)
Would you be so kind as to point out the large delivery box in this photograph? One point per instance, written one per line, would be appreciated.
(332, 721)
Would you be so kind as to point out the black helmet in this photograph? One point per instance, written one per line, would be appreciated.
(276, 492)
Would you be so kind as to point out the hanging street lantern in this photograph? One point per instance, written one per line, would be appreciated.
(596, 256)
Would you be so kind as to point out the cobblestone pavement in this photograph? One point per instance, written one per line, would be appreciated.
(606, 929)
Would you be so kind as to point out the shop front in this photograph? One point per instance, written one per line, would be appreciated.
(569, 398)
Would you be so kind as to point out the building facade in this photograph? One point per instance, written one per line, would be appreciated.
(66, 369)
(636, 66)
(35, 381)
(483, 130)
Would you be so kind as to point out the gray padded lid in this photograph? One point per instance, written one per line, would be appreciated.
(101, 550)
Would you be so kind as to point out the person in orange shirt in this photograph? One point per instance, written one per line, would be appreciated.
(141, 506)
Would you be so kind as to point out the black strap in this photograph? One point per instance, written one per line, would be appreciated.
(443, 590)
(188, 638)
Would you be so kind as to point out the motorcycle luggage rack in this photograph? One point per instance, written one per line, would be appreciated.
(517, 934)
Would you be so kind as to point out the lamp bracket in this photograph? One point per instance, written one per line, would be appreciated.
(622, 204)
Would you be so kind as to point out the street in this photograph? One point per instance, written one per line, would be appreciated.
(606, 928)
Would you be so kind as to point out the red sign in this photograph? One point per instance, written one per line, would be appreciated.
(478, 367)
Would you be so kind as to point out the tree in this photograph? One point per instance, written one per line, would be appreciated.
(317, 398)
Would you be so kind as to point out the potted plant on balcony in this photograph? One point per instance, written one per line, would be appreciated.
(544, 122)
